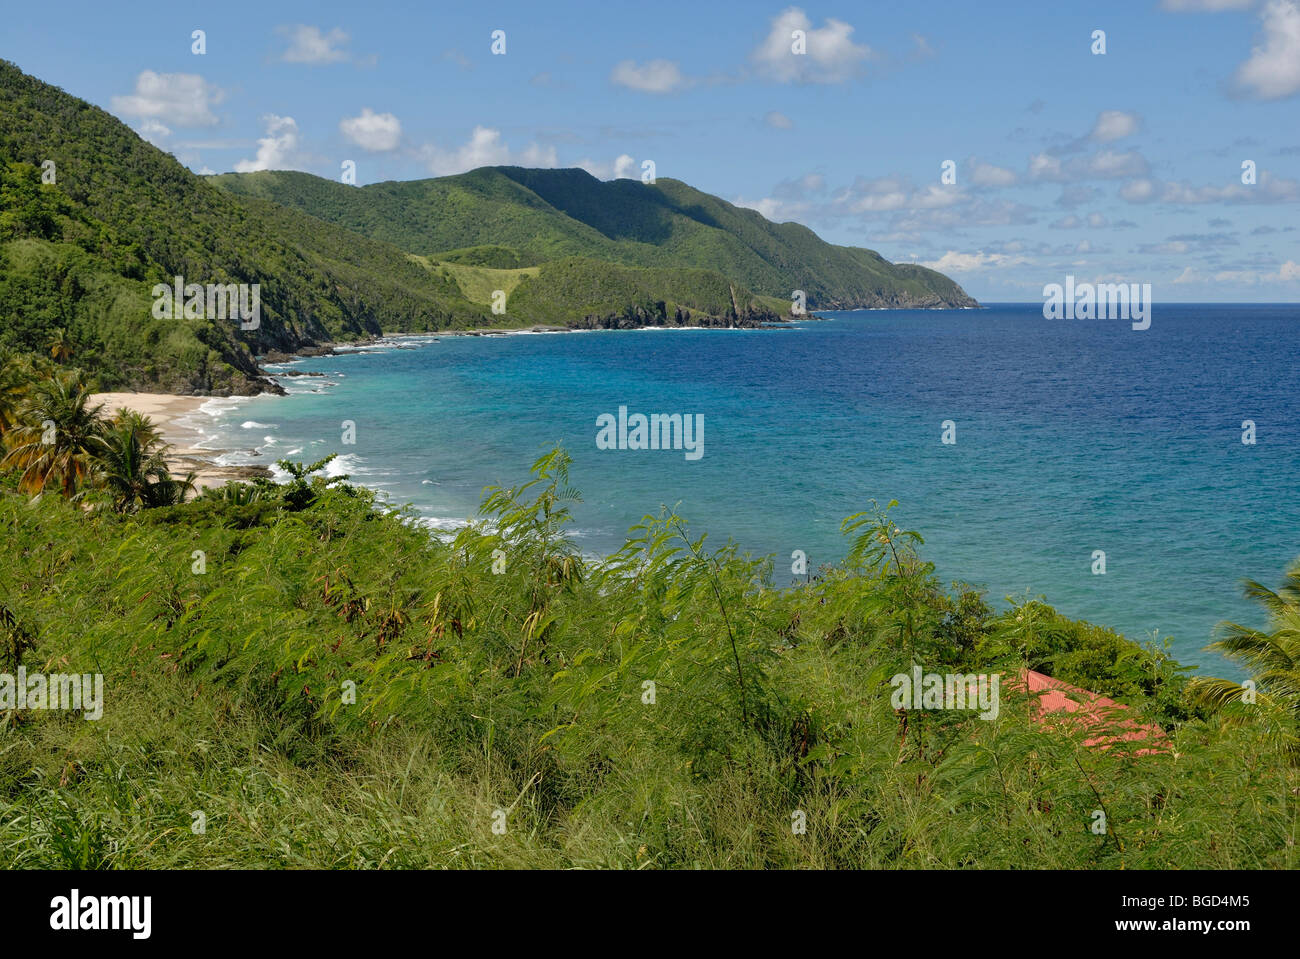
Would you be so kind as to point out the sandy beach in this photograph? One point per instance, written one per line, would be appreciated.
(169, 414)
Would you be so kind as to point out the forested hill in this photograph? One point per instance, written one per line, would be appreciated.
(92, 217)
(83, 253)
(541, 215)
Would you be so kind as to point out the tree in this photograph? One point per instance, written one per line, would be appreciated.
(15, 380)
(303, 488)
(60, 345)
(1272, 656)
(129, 464)
(54, 441)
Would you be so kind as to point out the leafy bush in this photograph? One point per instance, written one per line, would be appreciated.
(339, 689)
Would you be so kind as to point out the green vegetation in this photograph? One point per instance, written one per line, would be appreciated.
(492, 257)
(542, 215)
(83, 242)
(330, 686)
(580, 291)
(54, 441)
(82, 254)
(322, 683)
(478, 283)
(1273, 658)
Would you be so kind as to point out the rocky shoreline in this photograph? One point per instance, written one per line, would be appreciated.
(632, 321)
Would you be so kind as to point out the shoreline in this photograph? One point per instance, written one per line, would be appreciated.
(170, 413)
(276, 357)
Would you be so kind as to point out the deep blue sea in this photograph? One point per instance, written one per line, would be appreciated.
(1071, 436)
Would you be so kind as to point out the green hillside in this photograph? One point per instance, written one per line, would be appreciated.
(83, 253)
(549, 214)
(478, 283)
(578, 291)
(585, 293)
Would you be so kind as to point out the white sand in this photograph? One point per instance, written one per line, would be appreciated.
(168, 413)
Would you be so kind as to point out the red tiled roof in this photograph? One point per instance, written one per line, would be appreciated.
(1099, 715)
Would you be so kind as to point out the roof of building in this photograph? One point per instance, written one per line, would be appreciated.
(1103, 718)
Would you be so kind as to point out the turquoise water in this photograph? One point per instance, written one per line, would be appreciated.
(1072, 436)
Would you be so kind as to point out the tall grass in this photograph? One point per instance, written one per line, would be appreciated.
(338, 689)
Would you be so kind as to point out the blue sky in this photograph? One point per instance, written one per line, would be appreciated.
(1125, 166)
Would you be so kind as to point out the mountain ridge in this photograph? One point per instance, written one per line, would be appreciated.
(82, 248)
(82, 253)
(546, 214)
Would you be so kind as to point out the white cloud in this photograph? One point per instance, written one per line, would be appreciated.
(373, 132)
(1167, 248)
(1109, 165)
(625, 167)
(654, 76)
(936, 197)
(1270, 189)
(768, 207)
(1287, 272)
(154, 132)
(1138, 191)
(955, 262)
(1076, 194)
(986, 174)
(485, 148)
(882, 194)
(909, 210)
(1105, 165)
(182, 99)
(458, 58)
(778, 120)
(794, 199)
(276, 150)
(968, 213)
(1273, 70)
(831, 55)
(1044, 166)
(1114, 125)
(312, 45)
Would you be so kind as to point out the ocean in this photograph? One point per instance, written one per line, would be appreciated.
(1071, 437)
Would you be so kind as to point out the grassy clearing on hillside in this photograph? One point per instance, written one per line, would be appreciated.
(479, 283)
(567, 291)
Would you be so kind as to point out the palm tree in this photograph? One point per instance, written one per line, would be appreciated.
(129, 464)
(53, 441)
(60, 345)
(1274, 659)
(170, 491)
(15, 379)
